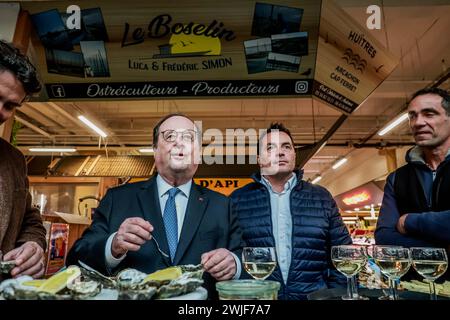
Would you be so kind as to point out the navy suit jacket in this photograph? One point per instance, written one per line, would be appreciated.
(208, 224)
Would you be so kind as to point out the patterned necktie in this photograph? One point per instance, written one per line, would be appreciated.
(170, 222)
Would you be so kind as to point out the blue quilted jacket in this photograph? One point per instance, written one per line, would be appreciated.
(317, 225)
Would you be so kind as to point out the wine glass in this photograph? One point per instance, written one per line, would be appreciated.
(394, 262)
(259, 262)
(430, 263)
(348, 260)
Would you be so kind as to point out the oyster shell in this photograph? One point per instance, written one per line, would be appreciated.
(191, 267)
(13, 289)
(192, 271)
(84, 289)
(7, 266)
(182, 285)
(130, 279)
(96, 276)
(131, 285)
(145, 293)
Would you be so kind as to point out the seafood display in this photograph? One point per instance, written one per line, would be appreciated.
(85, 283)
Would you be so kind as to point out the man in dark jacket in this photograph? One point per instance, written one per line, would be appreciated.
(22, 235)
(299, 219)
(416, 203)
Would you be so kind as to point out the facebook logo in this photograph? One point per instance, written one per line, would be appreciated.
(58, 91)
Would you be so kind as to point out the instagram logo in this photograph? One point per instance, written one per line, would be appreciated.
(301, 87)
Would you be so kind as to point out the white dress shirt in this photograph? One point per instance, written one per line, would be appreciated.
(282, 223)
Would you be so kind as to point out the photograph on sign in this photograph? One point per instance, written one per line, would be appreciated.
(65, 62)
(63, 45)
(272, 19)
(256, 53)
(295, 43)
(95, 27)
(94, 54)
(52, 30)
(283, 62)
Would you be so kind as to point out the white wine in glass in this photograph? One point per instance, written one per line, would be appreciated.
(349, 267)
(349, 260)
(259, 262)
(394, 269)
(394, 262)
(430, 263)
(430, 269)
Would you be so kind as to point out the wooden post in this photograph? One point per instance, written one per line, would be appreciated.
(391, 159)
(22, 34)
(105, 184)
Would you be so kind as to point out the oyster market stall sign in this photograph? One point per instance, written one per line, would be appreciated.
(157, 49)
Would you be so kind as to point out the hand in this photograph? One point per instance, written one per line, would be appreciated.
(29, 259)
(132, 234)
(401, 224)
(219, 263)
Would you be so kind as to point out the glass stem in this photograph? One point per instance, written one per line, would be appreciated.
(433, 295)
(349, 288)
(391, 289)
(355, 287)
(394, 289)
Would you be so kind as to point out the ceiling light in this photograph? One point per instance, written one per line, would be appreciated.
(54, 149)
(316, 179)
(146, 150)
(339, 163)
(393, 124)
(92, 126)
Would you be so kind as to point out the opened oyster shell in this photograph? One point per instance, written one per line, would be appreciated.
(179, 286)
(130, 279)
(7, 266)
(131, 285)
(13, 289)
(93, 275)
(81, 290)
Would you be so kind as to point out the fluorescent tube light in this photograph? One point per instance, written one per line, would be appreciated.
(393, 124)
(339, 163)
(55, 149)
(146, 150)
(316, 179)
(92, 126)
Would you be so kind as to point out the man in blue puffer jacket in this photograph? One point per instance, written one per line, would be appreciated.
(299, 219)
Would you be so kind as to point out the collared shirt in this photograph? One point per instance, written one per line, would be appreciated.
(181, 199)
(282, 222)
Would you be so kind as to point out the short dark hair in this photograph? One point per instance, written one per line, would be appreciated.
(275, 127)
(160, 122)
(12, 60)
(440, 92)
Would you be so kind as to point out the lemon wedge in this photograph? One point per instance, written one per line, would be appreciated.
(60, 280)
(170, 273)
(34, 283)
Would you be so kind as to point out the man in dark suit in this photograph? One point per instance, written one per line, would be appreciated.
(22, 235)
(167, 220)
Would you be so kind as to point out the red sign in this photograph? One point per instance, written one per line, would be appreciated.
(357, 198)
